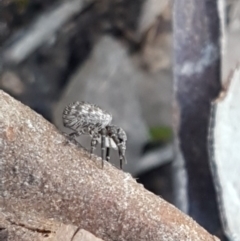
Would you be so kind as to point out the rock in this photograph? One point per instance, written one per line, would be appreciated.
(12, 83)
(155, 94)
(224, 146)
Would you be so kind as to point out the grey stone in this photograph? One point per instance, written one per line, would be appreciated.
(224, 135)
(156, 93)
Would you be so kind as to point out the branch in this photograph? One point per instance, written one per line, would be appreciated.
(43, 177)
(37, 228)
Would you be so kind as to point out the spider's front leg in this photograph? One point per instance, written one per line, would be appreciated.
(74, 135)
(120, 138)
(103, 144)
(108, 154)
(71, 137)
(94, 142)
(121, 153)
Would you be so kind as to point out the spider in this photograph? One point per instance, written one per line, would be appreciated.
(85, 118)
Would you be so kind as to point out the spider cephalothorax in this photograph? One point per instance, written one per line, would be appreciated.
(86, 118)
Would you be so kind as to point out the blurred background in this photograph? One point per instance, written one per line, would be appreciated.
(117, 54)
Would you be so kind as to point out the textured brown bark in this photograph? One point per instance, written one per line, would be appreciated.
(197, 83)
(34, 227)
(42, 177)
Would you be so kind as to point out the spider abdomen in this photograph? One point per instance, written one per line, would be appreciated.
(84, 117)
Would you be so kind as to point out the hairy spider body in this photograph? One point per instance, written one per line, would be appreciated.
(86, 118)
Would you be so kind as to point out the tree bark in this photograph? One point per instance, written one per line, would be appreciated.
(44, 178)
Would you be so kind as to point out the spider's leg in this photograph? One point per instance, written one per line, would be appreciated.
(119, 136)
(120, 157)
(121, 150)
(71, 137)
(121, 153)
(110, 145)
(94, 143)
(108, 154)
(103, 144)
(94, 140)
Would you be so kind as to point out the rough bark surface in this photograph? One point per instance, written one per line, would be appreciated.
(44, 178)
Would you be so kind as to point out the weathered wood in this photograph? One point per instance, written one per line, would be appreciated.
(43, 176)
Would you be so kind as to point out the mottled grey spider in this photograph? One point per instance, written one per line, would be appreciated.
(85, 118)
